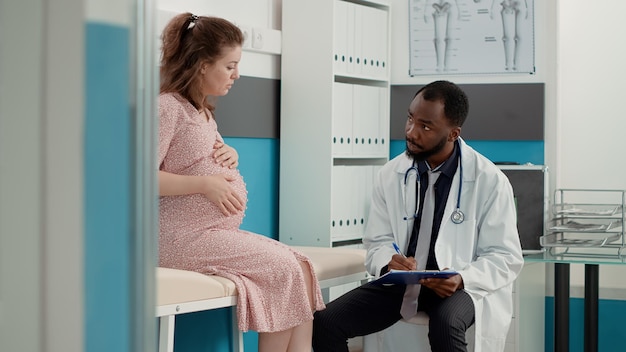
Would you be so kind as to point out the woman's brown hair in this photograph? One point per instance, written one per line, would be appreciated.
(188, 42)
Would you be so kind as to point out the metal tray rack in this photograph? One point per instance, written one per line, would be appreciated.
(587, 222)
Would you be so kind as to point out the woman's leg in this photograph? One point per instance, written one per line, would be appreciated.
(296, 339)
(308, 281)
(274, 341)
(301, 338)
(302, 335)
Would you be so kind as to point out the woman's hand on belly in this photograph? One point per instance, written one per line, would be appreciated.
(225, 155)
(218, 189)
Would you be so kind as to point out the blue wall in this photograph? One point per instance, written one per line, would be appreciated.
(259, 160)
(108, 176)
(258, 163)
(611, 327)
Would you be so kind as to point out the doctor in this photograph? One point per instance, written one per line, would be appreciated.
(446, 207)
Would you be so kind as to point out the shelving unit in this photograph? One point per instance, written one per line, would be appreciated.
(334, 131)
(586, 222)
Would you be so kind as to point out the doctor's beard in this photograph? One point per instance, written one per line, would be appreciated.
(427, 153)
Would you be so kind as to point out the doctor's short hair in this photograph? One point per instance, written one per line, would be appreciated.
(455, 103)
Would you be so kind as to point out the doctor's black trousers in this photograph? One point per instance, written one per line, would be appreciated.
(372, 307)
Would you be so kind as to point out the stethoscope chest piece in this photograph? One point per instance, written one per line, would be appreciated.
(457, 216)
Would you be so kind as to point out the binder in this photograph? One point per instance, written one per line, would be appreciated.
(359, 23)
(342, 119)
(366, 100)
(369, 34)
(411, 277)
(339, 203)
(382, 143)
(368, 174)
(381, 44)
(354, 183)
(340, 45)
(351, 37)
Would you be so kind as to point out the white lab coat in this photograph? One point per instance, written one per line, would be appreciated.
(485, 248)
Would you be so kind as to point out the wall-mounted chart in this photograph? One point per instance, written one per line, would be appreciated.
(471, 36)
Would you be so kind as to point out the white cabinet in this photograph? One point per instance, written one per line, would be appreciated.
(528, 325)
(334, 130)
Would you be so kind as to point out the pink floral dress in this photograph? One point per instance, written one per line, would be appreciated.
(195, 235)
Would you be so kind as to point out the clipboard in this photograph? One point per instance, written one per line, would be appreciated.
(409, 277)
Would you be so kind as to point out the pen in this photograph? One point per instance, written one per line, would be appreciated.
(395, 246)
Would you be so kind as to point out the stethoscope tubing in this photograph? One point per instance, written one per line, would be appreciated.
(457, 216)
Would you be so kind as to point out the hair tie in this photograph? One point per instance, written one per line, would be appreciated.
(192, 21)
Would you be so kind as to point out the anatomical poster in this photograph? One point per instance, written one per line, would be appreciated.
(471, 37)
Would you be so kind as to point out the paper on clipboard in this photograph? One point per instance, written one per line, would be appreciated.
(408, 277)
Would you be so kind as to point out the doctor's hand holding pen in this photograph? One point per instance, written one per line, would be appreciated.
(400, 262)
(442, 287)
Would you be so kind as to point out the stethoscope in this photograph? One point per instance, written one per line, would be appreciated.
(457, 216)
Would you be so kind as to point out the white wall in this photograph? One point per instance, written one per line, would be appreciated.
(258, 14)
(590, 106)
(591, 76)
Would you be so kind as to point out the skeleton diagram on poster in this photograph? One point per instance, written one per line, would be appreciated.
(471, 36)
